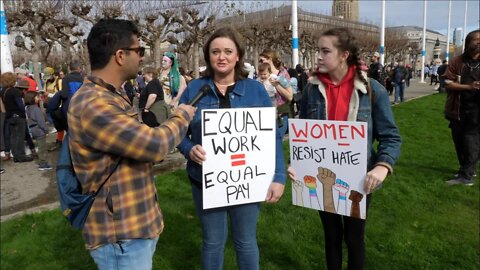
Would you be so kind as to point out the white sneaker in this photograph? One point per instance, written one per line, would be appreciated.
(54, 130)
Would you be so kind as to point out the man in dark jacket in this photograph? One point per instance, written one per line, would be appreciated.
(399, 77)
(440, 72)
(462, 109)
(376, 69)
(58, 104)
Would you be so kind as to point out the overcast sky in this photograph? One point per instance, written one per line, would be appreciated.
(408, 12)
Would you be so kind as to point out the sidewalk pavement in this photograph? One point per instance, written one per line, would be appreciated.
(25, 189)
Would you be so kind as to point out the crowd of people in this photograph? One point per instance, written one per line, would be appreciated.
(122, 118)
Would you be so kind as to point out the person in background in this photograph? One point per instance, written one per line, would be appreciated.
(129, 89)
(280, 80)
(23, 74)
(441, 76)
(434, 73)
(264, 73)
(375, 71)
(152, 104)
(125, 221)
(462, 108)
(38, 128)
(173, 83)
(15, 118)
(389, 80)
(302, 77)
(409, 75)
(340, 91)
(2, 126)
(230, 88)
(294, 84)
(59, 103)
(399, 77)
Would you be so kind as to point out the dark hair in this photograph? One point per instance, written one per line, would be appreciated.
(346, 42)
(230, 33)
(75, 65)
(299, 69)
(467, 53)
(106, 37)
(271, 54)
(30, 97)
(264, 66)
(293, 73)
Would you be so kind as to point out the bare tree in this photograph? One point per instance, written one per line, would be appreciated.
(396, 45)
(197, 27)
(154, 29)
(36, 20)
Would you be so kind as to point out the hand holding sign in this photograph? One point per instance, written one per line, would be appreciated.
(275, 192)
(197, 154)
(375, 177)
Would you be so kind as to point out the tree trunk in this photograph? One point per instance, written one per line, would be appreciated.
(157, 57)
(196, 59)
(35, 59)
(255, 57)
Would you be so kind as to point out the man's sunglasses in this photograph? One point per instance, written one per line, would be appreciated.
(139, 50)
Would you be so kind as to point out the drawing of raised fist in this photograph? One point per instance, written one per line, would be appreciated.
(327, 178)
(356, 197)
(298, 188)
(342, 187)
(311, 184)
(310, 181)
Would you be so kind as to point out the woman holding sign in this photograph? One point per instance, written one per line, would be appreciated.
(341, 91)
(227, 87)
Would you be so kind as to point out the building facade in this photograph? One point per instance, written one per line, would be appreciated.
(345, 9)
(310, 23)
(414, 34)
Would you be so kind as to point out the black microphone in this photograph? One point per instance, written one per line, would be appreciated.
(203, 92)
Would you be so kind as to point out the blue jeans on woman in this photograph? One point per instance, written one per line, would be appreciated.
(131, 254)
(284, 127)
(214, 224)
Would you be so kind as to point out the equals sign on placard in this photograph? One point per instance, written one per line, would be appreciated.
(237, 160)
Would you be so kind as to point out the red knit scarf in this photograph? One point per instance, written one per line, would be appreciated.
(338, 96)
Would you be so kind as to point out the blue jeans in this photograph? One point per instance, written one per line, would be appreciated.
(215, 232)
(399, 91)
(130, 254)
(283, 129)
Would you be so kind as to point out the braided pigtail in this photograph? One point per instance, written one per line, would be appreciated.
(358, 71)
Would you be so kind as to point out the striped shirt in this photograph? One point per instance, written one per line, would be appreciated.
(103, 127)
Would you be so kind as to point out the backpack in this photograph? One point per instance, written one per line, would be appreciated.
(75, 204)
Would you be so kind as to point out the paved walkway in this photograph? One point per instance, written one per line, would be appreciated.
(25, 189)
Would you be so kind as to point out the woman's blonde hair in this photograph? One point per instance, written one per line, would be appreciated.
(8, 79)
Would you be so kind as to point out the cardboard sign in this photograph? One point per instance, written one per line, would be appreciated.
(240, 159)
(330, 159)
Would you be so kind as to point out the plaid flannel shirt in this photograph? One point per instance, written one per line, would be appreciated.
(103, 127)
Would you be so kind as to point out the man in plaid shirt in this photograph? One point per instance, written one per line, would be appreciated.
(125, 220)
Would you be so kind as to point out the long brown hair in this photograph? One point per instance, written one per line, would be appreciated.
(274, 55)
(347, 42)
(232, 34)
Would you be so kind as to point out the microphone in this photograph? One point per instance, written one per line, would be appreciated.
(203, 92)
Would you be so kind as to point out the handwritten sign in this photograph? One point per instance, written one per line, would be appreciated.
(240, 159)
(330, 159)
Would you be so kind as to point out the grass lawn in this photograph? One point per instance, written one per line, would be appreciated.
(415, 221)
